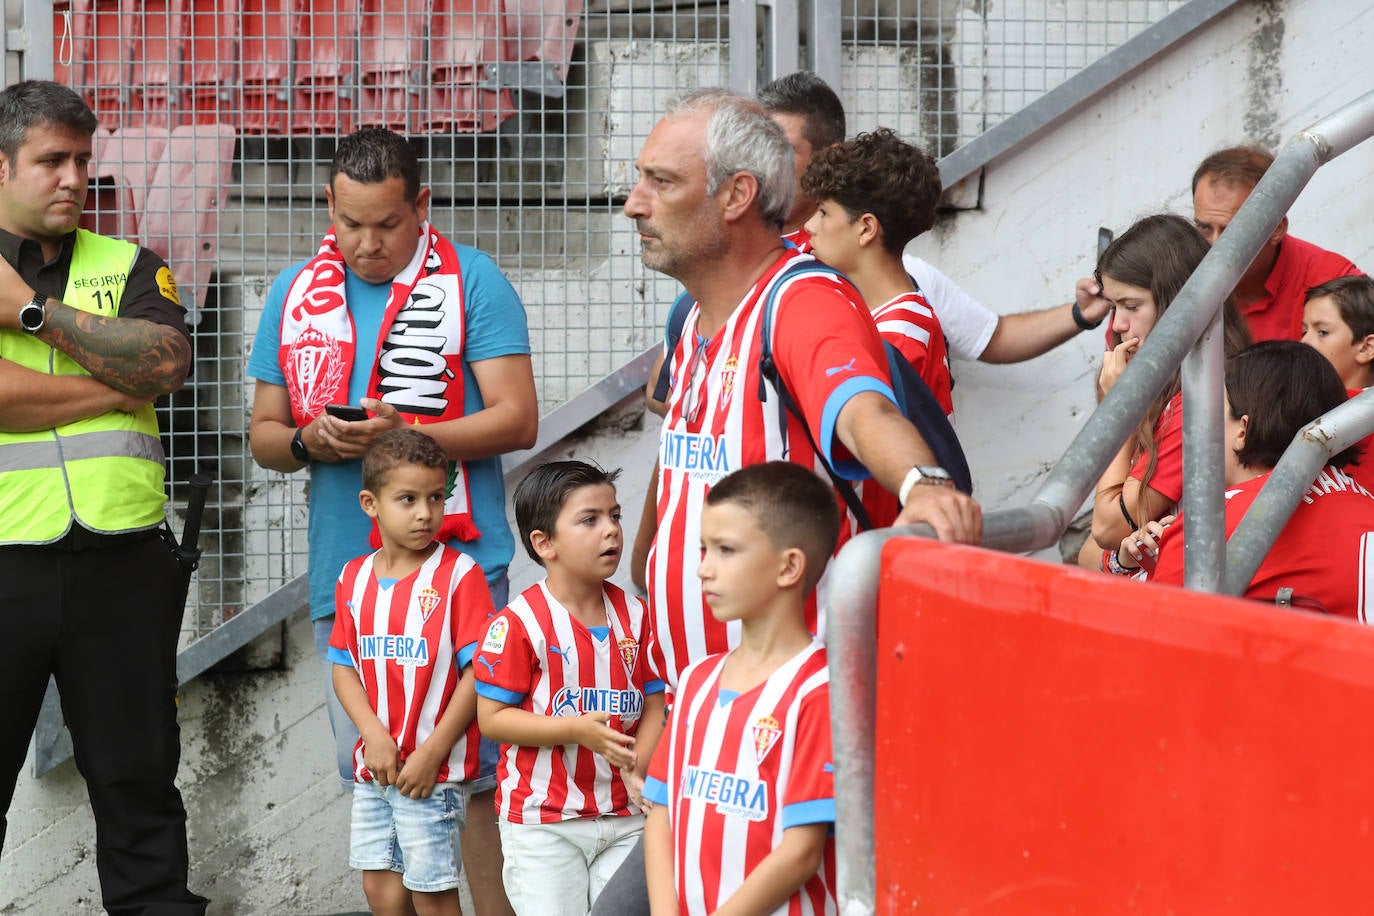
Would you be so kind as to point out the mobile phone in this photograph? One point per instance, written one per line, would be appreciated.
(1104, 239)
(346, 412)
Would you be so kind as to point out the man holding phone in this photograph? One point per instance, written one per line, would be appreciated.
(391, 324)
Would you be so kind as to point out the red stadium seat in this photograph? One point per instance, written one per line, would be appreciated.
(131, 154)
(465, 39)
(211, 58)
(265, 51)
(110, 208)
(326, 55)
(542, 30)
(156, 73)
(391, 75)
(103, 47)
(181, 214)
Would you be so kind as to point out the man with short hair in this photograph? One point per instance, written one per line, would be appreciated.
(91, 332)
(391, 316)
(812, 116)
(1273, 289)
(715, 183)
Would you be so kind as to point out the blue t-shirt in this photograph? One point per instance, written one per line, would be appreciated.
(338, 529)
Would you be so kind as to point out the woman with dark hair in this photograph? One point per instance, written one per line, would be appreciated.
(1141, 274)
(1325, 553)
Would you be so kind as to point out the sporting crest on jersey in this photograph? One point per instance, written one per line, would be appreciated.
(314, 368)
(496, 636)
(727, 380)
(766, 734)
(428, 600)
(629, 652)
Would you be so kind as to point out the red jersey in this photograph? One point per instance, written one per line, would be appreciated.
(1299, 267)
(1168, 476)
(909, 324)
(1364, 471)
(799, 237)
(538, 657)
(409, 642)
(827, 350)
(1324, 554)
(737, 770)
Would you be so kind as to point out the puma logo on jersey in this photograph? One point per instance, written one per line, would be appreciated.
(562, 653)
(836, 370)
(491, 665)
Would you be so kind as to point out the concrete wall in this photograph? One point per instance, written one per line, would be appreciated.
(268, 825)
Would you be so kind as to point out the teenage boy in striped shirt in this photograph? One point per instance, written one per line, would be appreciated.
(742, 784)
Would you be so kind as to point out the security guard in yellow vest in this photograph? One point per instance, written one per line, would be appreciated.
(91, 333)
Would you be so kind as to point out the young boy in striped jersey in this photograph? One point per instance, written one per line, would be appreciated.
(565, 683)
(742, 784)
(407, 619)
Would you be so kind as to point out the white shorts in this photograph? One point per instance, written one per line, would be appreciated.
(559, 869)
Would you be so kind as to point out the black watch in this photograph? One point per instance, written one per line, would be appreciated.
(34, 315)
(298, 449)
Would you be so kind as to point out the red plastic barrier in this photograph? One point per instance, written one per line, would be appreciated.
(1055, 741)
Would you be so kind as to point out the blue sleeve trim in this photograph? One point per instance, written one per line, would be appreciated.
(656, 791)
(850, 470)
(339, 657)
(499, 694)
(817, 811)
(652, 687)
(465, 654)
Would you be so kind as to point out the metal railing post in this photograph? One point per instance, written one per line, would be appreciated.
(1204, 471)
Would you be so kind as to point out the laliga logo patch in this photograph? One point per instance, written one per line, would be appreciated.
(167, 285)
(766, 734)
(428, 600)
(727, 380)
(496, 636)
(629, 651)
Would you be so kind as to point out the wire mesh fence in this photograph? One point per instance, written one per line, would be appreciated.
(219, 117)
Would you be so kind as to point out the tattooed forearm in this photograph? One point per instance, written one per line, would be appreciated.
(129, 354)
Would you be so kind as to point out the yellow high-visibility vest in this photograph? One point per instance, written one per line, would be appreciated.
(106, 472)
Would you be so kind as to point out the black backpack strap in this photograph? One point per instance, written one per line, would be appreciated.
(677, 320)
(768, 374)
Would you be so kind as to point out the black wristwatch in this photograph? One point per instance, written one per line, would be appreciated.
(298, 449)
(33, 316)
(1082, 320)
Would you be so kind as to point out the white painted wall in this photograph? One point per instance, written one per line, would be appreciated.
(268, 825)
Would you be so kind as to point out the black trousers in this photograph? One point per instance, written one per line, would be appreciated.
(104, 621)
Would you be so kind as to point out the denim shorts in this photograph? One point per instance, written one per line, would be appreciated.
(420, 838)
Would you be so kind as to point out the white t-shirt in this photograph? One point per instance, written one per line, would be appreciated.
(967, 323)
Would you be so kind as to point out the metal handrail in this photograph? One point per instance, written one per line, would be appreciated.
(1190, 328)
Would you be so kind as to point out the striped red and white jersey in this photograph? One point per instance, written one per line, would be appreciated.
(909, 324)
(827, 350)
(409, 643)
(736, 772)
(537, 657)
(799, 237)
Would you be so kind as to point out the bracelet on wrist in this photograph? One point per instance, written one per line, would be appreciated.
(1112, 564)
(1082, 320)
